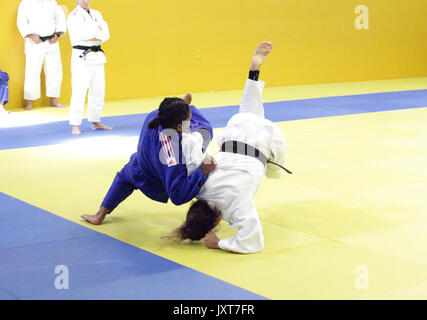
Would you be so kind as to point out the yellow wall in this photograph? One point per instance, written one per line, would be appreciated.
(164, 47)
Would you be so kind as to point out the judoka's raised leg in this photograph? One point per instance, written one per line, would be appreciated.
(252, 96)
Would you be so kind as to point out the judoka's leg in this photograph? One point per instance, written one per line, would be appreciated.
(252, 96)
(53, 72)
(96, 98)
(80, 78)
(34, 56)
(118, 192)
(277, 153)
(187, 98)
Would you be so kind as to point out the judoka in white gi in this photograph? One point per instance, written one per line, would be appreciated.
(87, 30)
(41, 23)
(229, 190)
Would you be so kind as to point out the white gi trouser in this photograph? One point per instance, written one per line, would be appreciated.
(36, 56)
(87, 72)
(43, 18)
(84, 77)
(257, 132)
(232, 186)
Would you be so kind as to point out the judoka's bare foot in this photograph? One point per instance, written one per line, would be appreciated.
(98, 217)
(261, 52)
(55, 103)
(100, 126)
(28, 105)
(75, 130)
(187, 98)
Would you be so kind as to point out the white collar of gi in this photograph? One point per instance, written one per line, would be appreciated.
(83, 9)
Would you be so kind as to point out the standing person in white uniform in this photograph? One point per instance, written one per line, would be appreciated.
(250, 146)
(88, 31)
(41, 23)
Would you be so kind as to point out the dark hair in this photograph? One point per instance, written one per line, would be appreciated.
(201, 219)
(171, 112)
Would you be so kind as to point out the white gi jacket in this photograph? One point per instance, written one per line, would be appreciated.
(42, 17)
(84, 26)
(233, 185)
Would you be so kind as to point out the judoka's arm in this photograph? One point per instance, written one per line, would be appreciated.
(22, 20)
(249, 238)
(192, 146)
(277, 154)
(104, 34)
(182, 188)
(78, 30)
(60, 21)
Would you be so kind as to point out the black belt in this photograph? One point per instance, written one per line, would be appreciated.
(247, 150)
(47, 37)
(88, 49)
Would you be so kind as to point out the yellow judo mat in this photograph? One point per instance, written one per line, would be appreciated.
(350, 223)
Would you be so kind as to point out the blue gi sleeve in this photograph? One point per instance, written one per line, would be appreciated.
(182, 189)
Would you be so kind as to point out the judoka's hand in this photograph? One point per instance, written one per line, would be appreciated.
(211, 240)
(35, 38)
(208, 164)
(54, 39)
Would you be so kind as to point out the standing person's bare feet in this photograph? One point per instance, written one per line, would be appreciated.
(55, 103)
(100, 126)
(75, 130)
(98, 217)
(261, 52)
(28, 105)
(187, 98)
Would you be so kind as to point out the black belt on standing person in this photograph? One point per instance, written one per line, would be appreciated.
(88, 49)
(47, 37)
(242, 148)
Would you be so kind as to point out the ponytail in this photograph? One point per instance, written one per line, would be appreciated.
(154, 124)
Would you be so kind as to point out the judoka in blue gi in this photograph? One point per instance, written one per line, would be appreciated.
(4, 91)
(166, 164)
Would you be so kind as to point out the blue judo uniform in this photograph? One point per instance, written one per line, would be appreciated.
(158, 167)
(4, 88)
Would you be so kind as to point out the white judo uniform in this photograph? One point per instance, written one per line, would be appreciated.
(44, 18)
(87, 73)
(233, 185)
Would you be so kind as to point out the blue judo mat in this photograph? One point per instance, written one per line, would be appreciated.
(34, 242)
(130, 125)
